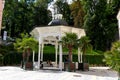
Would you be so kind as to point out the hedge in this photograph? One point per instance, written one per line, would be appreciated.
(16, 58)
(91, 59)
(12, 59)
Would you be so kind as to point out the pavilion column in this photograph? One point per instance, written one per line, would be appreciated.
(39, 53)
(42, 46)
(118, 18)
(119, 27)
(33, 56)
(56, 52)
(60, 54)
(79, 55)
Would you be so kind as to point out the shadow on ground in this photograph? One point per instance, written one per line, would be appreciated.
(99, 72)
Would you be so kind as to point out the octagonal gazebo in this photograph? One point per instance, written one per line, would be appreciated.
(52, 35)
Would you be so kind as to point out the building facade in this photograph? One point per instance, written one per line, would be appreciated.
(1, 10)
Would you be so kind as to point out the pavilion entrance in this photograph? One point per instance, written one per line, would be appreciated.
(52, 40)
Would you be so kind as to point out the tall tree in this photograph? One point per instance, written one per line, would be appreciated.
(77, 13)
(17, 17)
(25, 16)
(26, 44)
(21, 16)
(42, 15)
(64, 9)
(100, 25)
(9, 15)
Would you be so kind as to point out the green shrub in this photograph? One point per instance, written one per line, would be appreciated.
(94, 52)
(91, 59)
(16, 58)
(4, 49)
(12, 58)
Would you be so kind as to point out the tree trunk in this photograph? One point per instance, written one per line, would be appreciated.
(84, 60)
(28, 54)
(70, 53)
(24, 55)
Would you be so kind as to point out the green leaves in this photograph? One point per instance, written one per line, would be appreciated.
(77, 13)
(21, 16)
(26, 42)
(84, 44)
(112, 57)
(100, 23)
(64, 9)
(69, 39)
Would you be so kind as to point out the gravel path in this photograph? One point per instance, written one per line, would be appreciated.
(95, 73)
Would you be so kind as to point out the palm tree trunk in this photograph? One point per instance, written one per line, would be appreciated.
(70, 53)
(70, 58)
(28, 54)
(84, 60)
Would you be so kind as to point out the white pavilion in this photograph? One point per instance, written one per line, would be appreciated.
(52, 34)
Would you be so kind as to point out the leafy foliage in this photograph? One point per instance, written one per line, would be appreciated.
(21, 16)
(77, 13)
(69, 40)
(112, 57)
(84, 44)
(64, 9)
(100, 23)
(4, 49)
(26, 42)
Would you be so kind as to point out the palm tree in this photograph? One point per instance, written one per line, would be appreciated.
(69, 40)
(78, 13)
(26, 44)
(84, 44)
(112, 57)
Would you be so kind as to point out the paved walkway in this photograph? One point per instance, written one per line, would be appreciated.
(95, 73)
